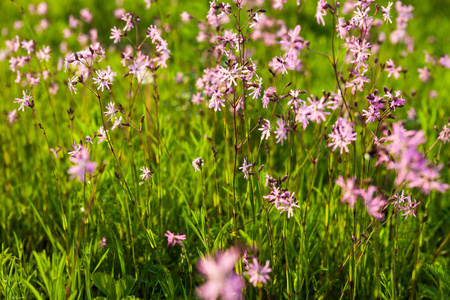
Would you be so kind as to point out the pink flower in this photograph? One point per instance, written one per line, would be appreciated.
(281, 131)
(444, 61)
(342, 135)
(82, 166)
(71, 83)
(12, 117)
(287, 203)
(147, 4)
(110, 110)
(386, 12)
(86, 15)
(373, 204)
(102, 135)
(76, 149)
(216, 101)
(424, 74)
(197, 164)
(257, 273)
(265, 128)
(349, 190)
(116, 34)
(102, 242)
(103, 79)
(44, 53)
(28, 46)
(173, 239)
(409, 209)
(444, 135)
(278, 4)
(390, 68)
(246, 168)
(128, 18)
(185, 17)
(146, 173)
(222, 280)
(321, 11)
(197, 98)
(24, 101)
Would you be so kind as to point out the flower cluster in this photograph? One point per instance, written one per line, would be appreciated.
(282, 199)
(350, 194)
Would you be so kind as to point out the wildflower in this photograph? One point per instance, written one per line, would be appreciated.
(246, 168)
(148, 3)
(102, 242)
(146, 173)
(424, 74)
(295, 102)
(73, 22)
(265, 128)
(12, 117)
(24, 101)
(280, 65)
(117, 122)
(82, 165)
(317, 108)
(278, 4)
(102, 134)
(88, 139)
(349, 190)
(197, 98)
(173, 239)
(103, 79)
(28, 46)
(281, 131)
(321, 11)
(409, 209)
(342, 135)
(44, 53)
(444, 61)
(373, 205)
(267, 95)
(216, 101)
(411, 113)
(256, 20)
(197, 164)
(386, 12)
(110, 110)
(86, 15)
(444, 135)
(185, 17)
(76, 149)
(287, 203)
(257, 273)
(128, 18)
(390, 68)
(222, 280)
(255, 87)
(116, 34)
(426, 180)
(244, 260)
(400, 198)
(229, 75)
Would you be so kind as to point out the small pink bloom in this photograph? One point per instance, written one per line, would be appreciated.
(173, 239)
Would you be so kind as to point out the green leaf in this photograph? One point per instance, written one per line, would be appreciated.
(124, 286)
(106, 284)
(219, 236)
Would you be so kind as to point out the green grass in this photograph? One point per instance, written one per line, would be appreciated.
(48, 254)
